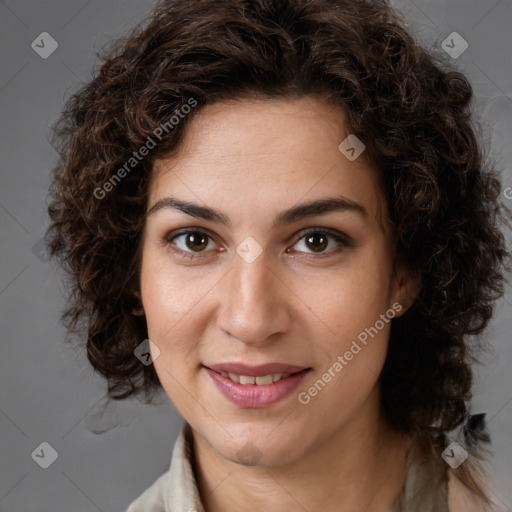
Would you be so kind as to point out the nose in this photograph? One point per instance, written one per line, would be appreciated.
(254, 302)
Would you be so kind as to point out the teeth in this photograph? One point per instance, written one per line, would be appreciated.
(244, 379)
(260, 380)
(234, 377)
(264, 379)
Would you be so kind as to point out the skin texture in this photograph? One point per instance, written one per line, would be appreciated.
(252, 159)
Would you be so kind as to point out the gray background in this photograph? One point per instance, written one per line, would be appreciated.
(48, 391)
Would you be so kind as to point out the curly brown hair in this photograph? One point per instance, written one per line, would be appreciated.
(408, 105)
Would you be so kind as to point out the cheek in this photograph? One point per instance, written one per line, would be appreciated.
(350, 300)
(174, 329)
(170, 307)
(352, 356)
(170, 294)
(351, 305)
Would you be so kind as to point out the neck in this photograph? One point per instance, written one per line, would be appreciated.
(360, 467)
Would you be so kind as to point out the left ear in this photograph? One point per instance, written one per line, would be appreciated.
(406, 287)
(139, 309)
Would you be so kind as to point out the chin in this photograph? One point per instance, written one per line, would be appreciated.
(260, 448)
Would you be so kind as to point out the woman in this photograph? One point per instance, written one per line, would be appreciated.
(279, 213)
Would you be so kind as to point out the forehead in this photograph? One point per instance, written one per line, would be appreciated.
(273, 152)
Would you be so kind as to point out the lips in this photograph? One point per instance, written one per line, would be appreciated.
(255, 386)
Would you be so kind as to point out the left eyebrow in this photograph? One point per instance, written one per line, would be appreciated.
(294, 214)
(319, 207)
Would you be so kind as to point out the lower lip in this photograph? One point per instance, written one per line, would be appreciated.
(254, 395)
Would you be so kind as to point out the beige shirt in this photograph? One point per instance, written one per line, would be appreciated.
(425, 488)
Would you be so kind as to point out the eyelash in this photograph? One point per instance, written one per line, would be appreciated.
(343, 240)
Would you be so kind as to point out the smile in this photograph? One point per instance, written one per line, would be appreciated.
(255, 391)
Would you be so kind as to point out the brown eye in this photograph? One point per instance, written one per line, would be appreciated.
(196, 241)
(317, 242)
(189, 243)
(322, 241)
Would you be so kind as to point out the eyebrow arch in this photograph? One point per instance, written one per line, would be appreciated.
(294, 214)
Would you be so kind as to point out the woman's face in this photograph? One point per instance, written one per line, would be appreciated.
(265, 279)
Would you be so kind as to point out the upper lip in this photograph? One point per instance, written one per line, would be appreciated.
(255, 371)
